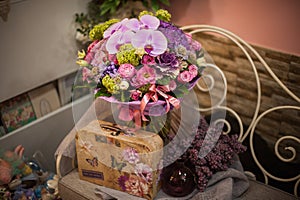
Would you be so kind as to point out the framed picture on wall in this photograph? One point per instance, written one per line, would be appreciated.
(16, 112)
(44, 99)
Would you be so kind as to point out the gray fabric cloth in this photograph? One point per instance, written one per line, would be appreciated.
(224, 185)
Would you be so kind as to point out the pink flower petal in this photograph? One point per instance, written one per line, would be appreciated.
(159, 43)
(117, 39)
(150, 22)
(153, 41)
(115, 27)
(133, 24)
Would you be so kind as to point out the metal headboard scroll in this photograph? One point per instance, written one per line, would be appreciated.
(192, 29)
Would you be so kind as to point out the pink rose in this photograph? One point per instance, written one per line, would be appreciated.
(193, 71)
(126, 70)
(185, 77)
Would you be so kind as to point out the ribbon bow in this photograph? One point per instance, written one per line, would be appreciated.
(153, 94)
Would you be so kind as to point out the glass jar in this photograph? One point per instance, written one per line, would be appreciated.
(178, 180)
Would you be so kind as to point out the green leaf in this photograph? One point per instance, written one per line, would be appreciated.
(155, 5)
(101, 93)
(165, 2)
(164, 81)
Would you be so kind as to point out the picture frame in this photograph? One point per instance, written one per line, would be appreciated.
(44, 99)
(16, 112)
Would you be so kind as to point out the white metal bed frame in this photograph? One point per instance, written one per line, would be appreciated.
(246, 49)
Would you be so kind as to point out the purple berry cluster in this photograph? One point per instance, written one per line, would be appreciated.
(210, 151)
(110, 70)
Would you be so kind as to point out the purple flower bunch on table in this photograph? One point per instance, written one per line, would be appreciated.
(145, 60)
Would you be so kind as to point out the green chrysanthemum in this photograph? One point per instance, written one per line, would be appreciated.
(163, 15)
(127, 54)
(110, 85)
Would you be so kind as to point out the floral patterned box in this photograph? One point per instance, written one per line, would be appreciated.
(129, 161)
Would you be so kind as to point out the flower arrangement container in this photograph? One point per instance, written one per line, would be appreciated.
(122, 160)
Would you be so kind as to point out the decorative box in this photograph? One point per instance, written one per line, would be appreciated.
(124, 160)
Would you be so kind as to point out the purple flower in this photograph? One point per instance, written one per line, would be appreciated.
(144, 76)
(168, 60)
(126, 70)
(110, 70)
(195, 45)
(131, 155)
(154, 42)
(118, 39)
(175, 35)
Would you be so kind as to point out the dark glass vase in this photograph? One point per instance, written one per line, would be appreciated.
(178, 180)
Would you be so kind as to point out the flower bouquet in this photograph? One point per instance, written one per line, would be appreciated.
(144, 65)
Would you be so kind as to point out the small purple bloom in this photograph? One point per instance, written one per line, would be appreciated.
(118, 39)
(154, 42)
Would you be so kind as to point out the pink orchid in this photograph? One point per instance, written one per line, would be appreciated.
(118, 39)
(154, 42)
(149, 22)
(126, 70)
(133, 24)
(115, 27)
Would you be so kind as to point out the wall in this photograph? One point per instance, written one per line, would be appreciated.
(273, 24)
(37, 44)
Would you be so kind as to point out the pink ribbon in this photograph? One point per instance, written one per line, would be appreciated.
(128, 114)
(153, 95)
